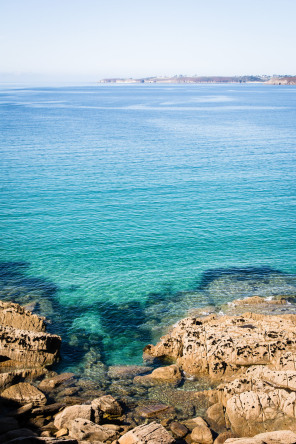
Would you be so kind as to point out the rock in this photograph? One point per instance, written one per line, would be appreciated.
(170, 374)
(215, 417)
(7, 424)
(18, 433)
(127, 371)
(26, 348)
(62, 432)
(178, 429)
(50, 383)
(42, 440)
(277, 437)
(152, 410)
(64, 418)
(108, 405)
(48, 409)
(254, 300)
(222, 437)
(223, 346)
(22, 410)
(23, 393)
(250, 413)
(201, 433)
(152, 433)
(83, 429)
(13, 315)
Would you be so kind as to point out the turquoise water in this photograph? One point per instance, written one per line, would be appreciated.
(117, 202)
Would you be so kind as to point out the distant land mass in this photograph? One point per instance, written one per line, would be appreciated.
(271, 80)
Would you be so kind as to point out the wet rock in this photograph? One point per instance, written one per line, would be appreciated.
(152, 410)
(201, 432)
(64, 418)
(83, 429)
(52, 382)
(224, 346)
(152, 433)
(23, 393)
(178, 429)
(127, 371)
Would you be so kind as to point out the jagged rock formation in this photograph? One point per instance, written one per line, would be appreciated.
(25, 347)
(223, 346)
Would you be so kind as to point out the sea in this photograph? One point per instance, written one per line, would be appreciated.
(126, 207)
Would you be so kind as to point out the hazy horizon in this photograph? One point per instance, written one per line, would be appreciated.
(89, 40)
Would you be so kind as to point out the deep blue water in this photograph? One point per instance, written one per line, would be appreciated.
(117, 202)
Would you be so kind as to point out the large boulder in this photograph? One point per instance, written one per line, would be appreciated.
(222, 346)
(277, 437)
(152, 433)
(67, 415)
(23, 393)
(83, 429)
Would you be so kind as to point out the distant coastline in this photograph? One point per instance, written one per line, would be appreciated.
(271, 80)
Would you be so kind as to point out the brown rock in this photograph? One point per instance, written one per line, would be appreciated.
(201, 433)
(62, 432)
(178, 429)
(170, 374)
(108, 405)
(23, 393)
(64, 418)
(82, 429)
(152, 433)
(50, 383)
(13, 315)
(223, 437)
(48, 409)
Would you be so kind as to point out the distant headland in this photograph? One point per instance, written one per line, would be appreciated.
(271, 80)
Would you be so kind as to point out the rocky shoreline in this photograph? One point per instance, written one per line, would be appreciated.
(212, 379)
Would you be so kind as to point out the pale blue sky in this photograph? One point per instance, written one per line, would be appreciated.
(92, 39)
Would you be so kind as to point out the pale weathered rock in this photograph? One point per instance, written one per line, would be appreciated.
(250, 413)
(83, 429)
(276, 437)
(24, 393)
(62, 432)
(201, 432)
(64, 418)
(221, 346)
(152, 433)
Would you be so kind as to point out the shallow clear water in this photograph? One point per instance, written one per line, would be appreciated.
(118, 201)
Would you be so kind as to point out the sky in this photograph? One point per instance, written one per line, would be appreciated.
(95, 39)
